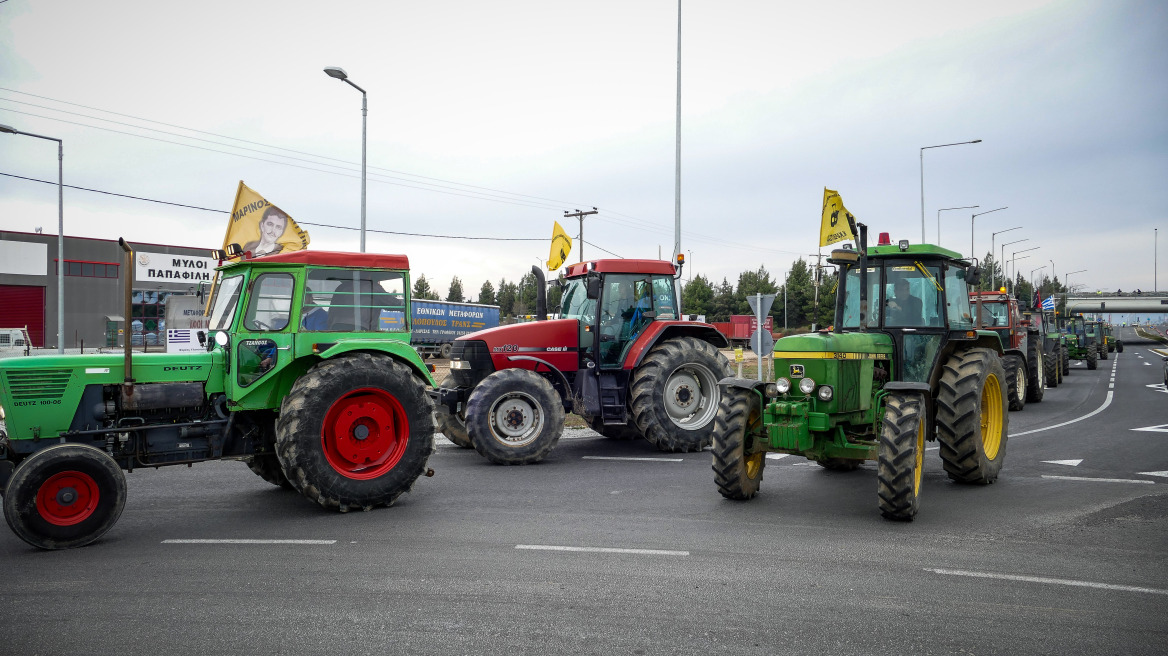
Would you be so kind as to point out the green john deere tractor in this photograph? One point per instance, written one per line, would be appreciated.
(1114, 344)
(902, 365)
(308, 376)
(1082, 341)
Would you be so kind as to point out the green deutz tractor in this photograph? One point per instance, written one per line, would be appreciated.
(1082, 341)
(308, 377)
(902, 365)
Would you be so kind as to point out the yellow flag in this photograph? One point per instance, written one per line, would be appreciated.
(260, 227)
(561, 246)
(837, 220)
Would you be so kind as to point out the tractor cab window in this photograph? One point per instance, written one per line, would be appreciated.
(271, 302)
(575, 304)
(995, 315)
(851, 310)
(912, 296)
(663, 301)
(626, 307)
(349, 300)
(957, 307)
(223, 303)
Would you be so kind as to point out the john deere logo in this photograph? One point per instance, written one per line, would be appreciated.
(796, 371)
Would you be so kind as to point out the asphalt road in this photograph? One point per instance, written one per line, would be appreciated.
(587, 554)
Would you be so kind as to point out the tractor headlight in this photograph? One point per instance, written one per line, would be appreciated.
(221, 338)
(825, 393)
(783, 385)
(771, 390)
(807, 386)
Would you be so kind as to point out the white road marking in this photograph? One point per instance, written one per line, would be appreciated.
(1072, 463)
(638, 459)
(647, 552)
(1097, 480)
(932, 448)
(1160, 473)
(1101, 408)
(245, 541)
(1146, 364)
(1162, 428)
(776, 456)
(1046, 579)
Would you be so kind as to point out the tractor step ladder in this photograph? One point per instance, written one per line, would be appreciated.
(612, 400)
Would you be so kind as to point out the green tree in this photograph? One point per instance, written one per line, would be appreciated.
(723, 304)
(800, 294)
(506, 297)
(455, 293)
(697, 296)
(487, 293)
(422, 290)
(751, 283)
(525, 295)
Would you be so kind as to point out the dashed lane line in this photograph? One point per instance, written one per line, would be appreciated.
(645, 552)
(245, 541)
(631, 458)
(1047, 580)
(1097, 480)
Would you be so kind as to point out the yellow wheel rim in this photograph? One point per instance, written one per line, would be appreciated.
(991, 416)
(754, 464)
(919, 466)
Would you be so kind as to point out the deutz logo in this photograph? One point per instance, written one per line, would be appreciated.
(796, 371)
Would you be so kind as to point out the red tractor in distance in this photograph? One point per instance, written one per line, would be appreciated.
(1023, 354)
(617, 355)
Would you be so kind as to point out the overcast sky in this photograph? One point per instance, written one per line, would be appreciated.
(489, 119)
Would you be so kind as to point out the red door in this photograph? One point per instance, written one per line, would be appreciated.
(24, 306)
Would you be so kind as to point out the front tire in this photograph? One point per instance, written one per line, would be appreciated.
(355, 432)
(453, 426)
(737, 464)
(1051, 370)
(1092, 359)
(1066, 360)
(64, 496)
(1015, 381)
(900, 456)
(972, 422)
(267, 466)
(514, 417)
(675, 394)
(1036, 368)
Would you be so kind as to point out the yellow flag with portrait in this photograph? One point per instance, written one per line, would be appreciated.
(561, 246)
(260, 227)
(836, 222)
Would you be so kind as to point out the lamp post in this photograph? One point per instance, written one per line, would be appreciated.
(1032, 277)
(60, 233)
(1067, 280)
(340, 74)
(923, 149)
(973, 253)
(1011, 280)
(993, 236)
(946, 209)
(1014, 257)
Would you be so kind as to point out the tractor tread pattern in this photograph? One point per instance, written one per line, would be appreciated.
(647, 388)
(1036, 370)
(1013, 365)
(729, 462)
(958, 416)
(896, 463)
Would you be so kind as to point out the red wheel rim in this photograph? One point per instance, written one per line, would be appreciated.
(67, 498)
(365, 433)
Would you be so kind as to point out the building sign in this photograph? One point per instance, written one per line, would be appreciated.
(164, 267)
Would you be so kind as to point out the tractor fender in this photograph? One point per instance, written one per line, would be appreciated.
(566, 394)
(400, 351)
(742, 383)
(662, 330)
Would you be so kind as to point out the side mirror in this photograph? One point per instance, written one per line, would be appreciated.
(202, 338)
(973, 275)
(593, 287)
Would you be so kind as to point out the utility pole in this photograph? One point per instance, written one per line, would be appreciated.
(815, 280)
(580, 215)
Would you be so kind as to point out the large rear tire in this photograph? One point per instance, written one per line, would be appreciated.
(64, 496)
(972, 421)
(675, 394)
(453, 426)
(1036, 368)
(514, 417)
(900, 456)
(737, 465)
(355, 432)
(1015, 381)
(267, 466)
(1102, 352)
(1051, 370)
(1092, 359)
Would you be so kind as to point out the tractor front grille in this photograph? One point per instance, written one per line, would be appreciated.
(476, 353)
(38, 383)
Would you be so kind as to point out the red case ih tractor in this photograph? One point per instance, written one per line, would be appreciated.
(618, 356)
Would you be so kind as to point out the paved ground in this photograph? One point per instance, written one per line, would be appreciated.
(612, 547)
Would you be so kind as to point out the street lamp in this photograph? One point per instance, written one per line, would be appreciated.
(60, 233)
(340, 74)
(923, 149)
(1011, 280)
(1014, 257)
(973, 253)
(946, 209)
(1067, 280)
(993, 236)
(1032, 278)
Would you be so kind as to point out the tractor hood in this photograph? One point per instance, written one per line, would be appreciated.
(833, 345)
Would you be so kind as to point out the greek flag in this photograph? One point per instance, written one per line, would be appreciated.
(1048, 303)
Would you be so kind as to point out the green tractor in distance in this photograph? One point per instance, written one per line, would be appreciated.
(1082, 341)
(1113, 343)
(1054, 345)
(308, 377)
(903, 364)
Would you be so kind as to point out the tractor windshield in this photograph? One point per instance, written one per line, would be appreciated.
(223, 305)
(995, 315)
(575, 304)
